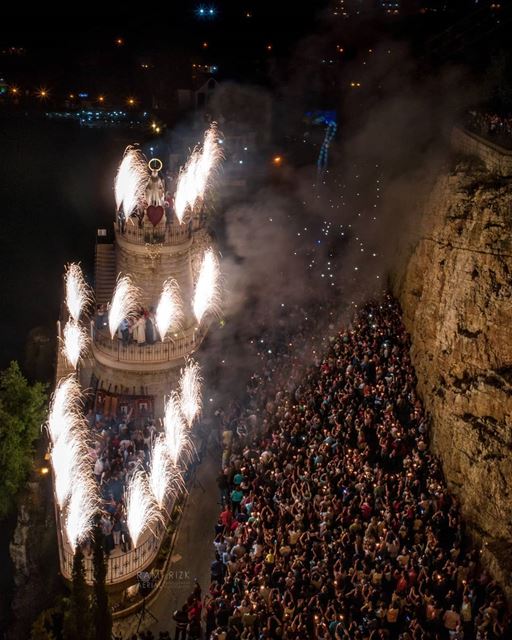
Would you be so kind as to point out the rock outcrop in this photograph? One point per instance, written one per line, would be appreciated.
(456, 294)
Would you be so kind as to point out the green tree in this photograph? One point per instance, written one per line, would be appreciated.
(77, 619)
(22, 412)
(101, 612)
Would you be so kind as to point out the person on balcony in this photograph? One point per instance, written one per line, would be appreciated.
(151, 327)
(124, 330)
(139, 331)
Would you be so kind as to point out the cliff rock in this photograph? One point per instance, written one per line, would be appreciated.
(456, 294)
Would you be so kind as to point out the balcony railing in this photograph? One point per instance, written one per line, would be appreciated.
(120, 567)
(173, 234)
(125, 566)
(157, 353)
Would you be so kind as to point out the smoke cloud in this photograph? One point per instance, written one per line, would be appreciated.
(300, 239)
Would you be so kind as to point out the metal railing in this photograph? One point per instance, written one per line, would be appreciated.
(173, 234)
(121, 567)
(159, 352)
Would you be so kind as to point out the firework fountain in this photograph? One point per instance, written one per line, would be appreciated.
(207, 289)
(164, 477)
(73, 479)
(67, 456)
(75, 342)
(124, 304)
(78, 292)
(131, 180)
(190, 392)
(175, 428)
(169, 312)
(196, 174)
(64, 409)
(82, 508)
(141, 506)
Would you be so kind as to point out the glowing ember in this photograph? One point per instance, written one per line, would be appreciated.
(75, 342)
(176, 437)
(141, 506)
(207, 290)
(82, 508)
(194, 176)
(190, 391)
(124, 303)
(131, 180)
(78, 293)
(169, 312)
(64, 409)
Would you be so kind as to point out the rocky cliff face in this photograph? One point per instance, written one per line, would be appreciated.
(456, 294)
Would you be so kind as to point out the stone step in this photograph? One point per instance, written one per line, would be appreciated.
(105, 272)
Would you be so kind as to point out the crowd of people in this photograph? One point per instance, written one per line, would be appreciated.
(497, 128)
(119, 445)
(336, 520)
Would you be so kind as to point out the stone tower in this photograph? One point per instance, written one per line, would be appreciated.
(150, 247)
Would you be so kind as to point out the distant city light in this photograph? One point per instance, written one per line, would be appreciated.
(101, 98)
(119, 42)
(206, 12)
(42, 93)
(131, 101)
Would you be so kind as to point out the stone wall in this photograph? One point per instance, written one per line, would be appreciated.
(497, 159)
(456, 294)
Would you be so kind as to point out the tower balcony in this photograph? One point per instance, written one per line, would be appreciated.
(162, 234)
(148, 357)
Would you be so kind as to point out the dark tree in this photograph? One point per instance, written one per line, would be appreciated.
(101, 613)
(22, 412)
(42, 627)
(77, 620)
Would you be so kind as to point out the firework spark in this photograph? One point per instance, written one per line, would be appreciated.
(141, 506)
(194, 176)
(67, 457)
(164, 478)
(64, 409)
(82, 508)
(169, 312)
(124, 303)
(75, 342)
(78, 292)
(190, 391)
(131, 180)
(207, 289)
(176, 436)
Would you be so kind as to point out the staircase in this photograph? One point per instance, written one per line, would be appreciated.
(104, 272)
